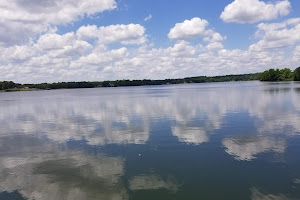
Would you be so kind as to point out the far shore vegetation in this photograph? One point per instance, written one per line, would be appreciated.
(281, 75)
(269, 75)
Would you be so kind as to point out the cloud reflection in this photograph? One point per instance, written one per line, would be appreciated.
(152, 182)
(246, 149)
(40, 123)
(123, 115)
(190, 135)
(38, 170)
(257, 195)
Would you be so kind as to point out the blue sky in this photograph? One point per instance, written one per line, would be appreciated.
(169, 12)
(65, 40)
(164, 15)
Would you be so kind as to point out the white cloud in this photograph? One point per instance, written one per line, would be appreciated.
(48, 46)
(251, 11)
(125, 34)
(181, 60)
(182, 49)
(66, 45)
(214, 46)
(277, 35)
(214, 37)
(193, 28)
(296, 53)
(148, 18)
(197, 28)
(17, 54)
(86, 55)
(20, 20)
(100, 58)
(54, 41)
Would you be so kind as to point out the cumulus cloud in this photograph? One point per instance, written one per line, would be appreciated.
(181, 60)
(251, 11)
(66, 45)
(197, 28)
(296, 53)
(125, 34)
(101, 58)
(96, 63)
(51, 50)
(188, 29)
(17, 54)
(87, 54)
(20, 20)
(277, 35)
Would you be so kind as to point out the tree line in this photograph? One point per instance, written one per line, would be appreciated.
(269, 75)
(5, 85)
(281, 75)
(120, 83)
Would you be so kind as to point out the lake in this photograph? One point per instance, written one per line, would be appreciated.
(223, 141)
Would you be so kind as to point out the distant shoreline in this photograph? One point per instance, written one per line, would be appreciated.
(34, 89)
(12, 87)
(271, 75)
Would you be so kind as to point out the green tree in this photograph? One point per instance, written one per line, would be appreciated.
(7, 85)
(265, 76)
(297, 74)
(286, 74)
(271, 75)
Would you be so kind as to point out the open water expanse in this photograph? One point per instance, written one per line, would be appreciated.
(214, 141)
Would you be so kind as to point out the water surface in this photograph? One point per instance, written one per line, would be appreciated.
(230, 141)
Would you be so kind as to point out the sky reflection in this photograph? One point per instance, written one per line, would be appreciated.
(127, 139)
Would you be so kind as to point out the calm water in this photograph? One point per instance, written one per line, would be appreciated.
(223, 141)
